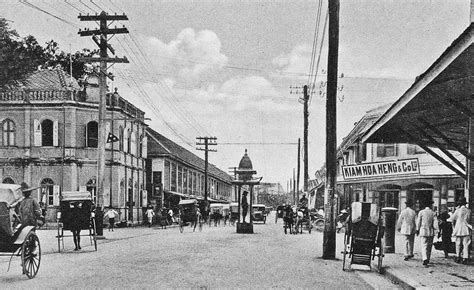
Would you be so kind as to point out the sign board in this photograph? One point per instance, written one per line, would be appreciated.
(380, 169)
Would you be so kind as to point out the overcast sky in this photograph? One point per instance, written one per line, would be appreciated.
(224, 68)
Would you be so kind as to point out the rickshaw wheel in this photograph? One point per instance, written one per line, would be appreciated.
(31, 255)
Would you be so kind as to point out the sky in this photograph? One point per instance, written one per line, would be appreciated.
(233, 68)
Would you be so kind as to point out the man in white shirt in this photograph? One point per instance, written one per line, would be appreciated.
(150, 214)
(406, 225)
(426, 228)
(111, 214)
(462, 230)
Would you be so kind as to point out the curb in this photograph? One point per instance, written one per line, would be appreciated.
(387, 273)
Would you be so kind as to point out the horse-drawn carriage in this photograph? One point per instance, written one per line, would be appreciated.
(188, 214)
(16, 239)
(303, 221)
(363, 236)
(76, 214)
(259, 213)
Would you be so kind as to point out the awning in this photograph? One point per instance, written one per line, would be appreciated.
(177, 193)
(435, 110)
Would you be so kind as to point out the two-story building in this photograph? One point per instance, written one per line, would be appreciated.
(49, 138)
(175, 173)
(390, 174)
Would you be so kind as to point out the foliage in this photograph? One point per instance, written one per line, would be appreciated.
(22, 55)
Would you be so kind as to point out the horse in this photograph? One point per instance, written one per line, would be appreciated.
(288, 219)
(302, 216)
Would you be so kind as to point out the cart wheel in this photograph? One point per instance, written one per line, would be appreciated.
(31, 255)
(95, 234)
(319, 225)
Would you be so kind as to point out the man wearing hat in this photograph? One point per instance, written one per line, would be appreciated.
(426, 228)
(30, 210)
(406, 226)
(462, 230)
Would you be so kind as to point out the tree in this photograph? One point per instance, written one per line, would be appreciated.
(22, 55)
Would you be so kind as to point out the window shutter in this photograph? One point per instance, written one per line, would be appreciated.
(380, 150)
(56, 195)
(37, 132)
(55, 134)
(107, 131)
(144, 146)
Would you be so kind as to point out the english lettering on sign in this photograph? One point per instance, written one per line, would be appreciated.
(379, 169)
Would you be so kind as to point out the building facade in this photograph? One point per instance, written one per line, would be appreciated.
(390, 174)
(49, 138)
(174, 173)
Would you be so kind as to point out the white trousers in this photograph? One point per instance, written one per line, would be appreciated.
(426, 245)
(409, 242)
(465, 241)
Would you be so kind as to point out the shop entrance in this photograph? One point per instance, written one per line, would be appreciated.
(421, 194)
(389, 195)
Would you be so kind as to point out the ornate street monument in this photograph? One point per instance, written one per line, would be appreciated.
(245, 183)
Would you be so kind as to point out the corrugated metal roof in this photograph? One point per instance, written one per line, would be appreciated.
(160, 146)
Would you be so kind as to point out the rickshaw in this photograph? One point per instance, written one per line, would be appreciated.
(234, 212)
(15, 239)
(188, 214)
(363, 236)
(76, 211)
(259, 213)
(215, 213)
(303, 221)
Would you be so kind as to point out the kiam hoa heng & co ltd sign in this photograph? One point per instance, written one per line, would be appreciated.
(379, 169)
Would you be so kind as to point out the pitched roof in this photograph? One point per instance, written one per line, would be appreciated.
(159, 146)
(49, 80)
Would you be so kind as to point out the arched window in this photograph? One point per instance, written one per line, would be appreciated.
(120, 138)
(47, 133)
(8, 133)
(8, 180)
(92, 132)
(47, 186)
(129, 141)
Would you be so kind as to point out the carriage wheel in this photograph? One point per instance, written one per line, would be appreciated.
(319, 225)
(95, 233)
(31, 255)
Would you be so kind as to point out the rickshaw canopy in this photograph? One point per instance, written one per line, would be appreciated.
(10, 193)
(76, 195)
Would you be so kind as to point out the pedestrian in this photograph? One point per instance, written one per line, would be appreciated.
(445, 232)
(462, 230)
(426, 228)
(150, 214)
(406, 225)
(170, 216)
(76, 223)
(30, 210)
(111, 214)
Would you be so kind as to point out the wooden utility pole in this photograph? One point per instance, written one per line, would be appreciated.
(100, 37)
(298, 173)
(206, 142)
(305, 139)
(294, 187)
(329, 237)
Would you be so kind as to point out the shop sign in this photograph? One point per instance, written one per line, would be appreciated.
(380, 169)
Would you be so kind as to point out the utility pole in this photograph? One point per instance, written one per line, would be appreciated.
(206, 142)
(305, 139)
(294, 187)
(298, 173)
(329, 237)
(101, 37)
